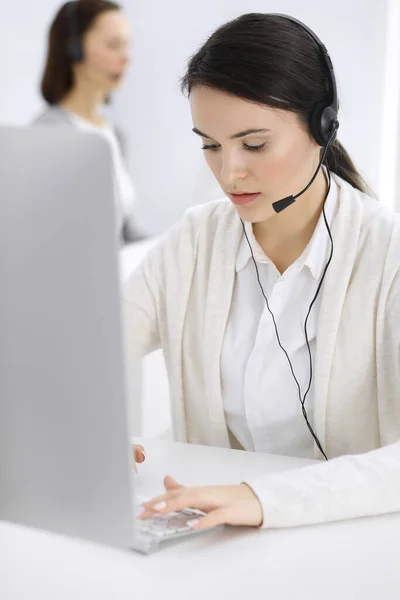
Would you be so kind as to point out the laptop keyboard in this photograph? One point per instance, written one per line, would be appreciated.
(166, 526)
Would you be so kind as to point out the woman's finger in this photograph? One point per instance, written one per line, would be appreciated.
(139, 453)
(171, 484)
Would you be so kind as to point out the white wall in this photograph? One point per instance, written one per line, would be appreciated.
(165, 157)
(390, 151)
(397, 167)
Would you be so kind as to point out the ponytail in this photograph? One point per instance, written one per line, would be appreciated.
(338, 161)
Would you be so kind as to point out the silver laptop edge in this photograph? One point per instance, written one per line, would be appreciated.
(65, 456)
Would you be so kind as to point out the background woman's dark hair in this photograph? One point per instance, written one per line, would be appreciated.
(270, 61)
(57, 77)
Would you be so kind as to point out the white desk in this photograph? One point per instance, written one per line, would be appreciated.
(344, 561)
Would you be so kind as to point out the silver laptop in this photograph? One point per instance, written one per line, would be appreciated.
(65, 455)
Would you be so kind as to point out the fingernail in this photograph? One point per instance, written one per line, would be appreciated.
(193, 522)
(159, 506)
(144, 455)
(140, 510)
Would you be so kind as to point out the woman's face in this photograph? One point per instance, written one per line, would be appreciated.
(106, 50)
(264, 152)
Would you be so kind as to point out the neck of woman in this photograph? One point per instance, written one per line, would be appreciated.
(285, 236)
(85, 102)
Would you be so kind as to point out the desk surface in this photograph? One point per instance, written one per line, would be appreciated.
(358, 559)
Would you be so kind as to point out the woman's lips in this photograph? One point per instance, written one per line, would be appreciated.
(241, 199)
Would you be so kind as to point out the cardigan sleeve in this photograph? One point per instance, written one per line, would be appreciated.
(140, 322)
(342, 488)
(156, 293)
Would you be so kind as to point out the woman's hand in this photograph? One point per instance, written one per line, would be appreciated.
(226, 504)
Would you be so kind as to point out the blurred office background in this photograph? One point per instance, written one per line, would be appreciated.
(362, 36)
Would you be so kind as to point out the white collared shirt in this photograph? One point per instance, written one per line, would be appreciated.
(261, 399)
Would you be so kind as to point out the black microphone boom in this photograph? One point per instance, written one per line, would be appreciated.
(280, 205)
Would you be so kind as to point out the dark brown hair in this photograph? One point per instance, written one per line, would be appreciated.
(273, 62)
(57, 77)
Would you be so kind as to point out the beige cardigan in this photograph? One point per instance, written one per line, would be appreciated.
(179, 299)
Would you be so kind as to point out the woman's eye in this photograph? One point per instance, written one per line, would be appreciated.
(214, 147)
(210, 147)
(259, 148)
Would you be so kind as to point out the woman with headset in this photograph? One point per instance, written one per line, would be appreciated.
(87, 57)
(278, 307)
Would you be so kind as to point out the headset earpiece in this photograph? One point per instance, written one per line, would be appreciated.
(323, 123)
(74, 51)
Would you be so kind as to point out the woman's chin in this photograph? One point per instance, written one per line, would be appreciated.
(255, 214)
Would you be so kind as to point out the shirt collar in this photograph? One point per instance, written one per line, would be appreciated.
(244, 252)
(314, 255)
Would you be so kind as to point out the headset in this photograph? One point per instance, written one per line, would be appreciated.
(324, 124)
(74, 50)
(324, 117)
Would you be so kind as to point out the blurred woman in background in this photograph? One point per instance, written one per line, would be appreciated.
(88, 54)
